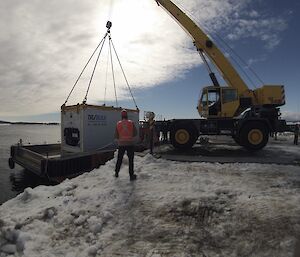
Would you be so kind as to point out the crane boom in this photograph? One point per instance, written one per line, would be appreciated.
(204, 44)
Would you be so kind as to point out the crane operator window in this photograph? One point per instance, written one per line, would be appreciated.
(210, 98)
(213, 97)
(204, 99)
(229, 95)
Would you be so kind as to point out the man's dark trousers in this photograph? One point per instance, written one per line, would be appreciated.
(296, 140)
(130, 153)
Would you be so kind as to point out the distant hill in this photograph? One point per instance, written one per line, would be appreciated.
(4, 122)
(29, 123)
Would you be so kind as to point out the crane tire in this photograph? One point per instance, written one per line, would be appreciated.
(183, 136)
(11, 163)
(254, 136)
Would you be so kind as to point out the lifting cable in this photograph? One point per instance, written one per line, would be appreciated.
(92, 76)
(242, 69)
(84, 69)
(242, 60)
(104, 98)
(112, 70)
(109, 57)
(123, 72)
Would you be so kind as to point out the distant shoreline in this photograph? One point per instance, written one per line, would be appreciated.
(29, 123)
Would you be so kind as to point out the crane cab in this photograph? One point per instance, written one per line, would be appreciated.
(216, 102)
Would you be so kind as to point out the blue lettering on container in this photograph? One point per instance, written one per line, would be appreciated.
(96, 117)
(97, 120)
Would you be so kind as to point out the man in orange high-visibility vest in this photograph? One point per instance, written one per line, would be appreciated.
(125, 133)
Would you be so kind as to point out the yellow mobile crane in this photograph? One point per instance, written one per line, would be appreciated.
(222, 106)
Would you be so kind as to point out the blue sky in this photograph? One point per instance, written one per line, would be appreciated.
(165, 71)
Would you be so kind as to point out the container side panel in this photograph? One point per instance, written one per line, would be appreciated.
(99, 127)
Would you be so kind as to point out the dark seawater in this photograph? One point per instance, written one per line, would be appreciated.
(13, 182)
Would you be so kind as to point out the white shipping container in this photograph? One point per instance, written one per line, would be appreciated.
(90, 127)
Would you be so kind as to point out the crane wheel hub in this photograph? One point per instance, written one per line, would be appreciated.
(182, 136)
(255, 136)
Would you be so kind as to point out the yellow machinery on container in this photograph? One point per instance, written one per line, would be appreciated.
(221, 106)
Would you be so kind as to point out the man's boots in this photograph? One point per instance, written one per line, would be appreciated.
(132, 177)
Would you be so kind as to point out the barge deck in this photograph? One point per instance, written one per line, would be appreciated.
(47, 161)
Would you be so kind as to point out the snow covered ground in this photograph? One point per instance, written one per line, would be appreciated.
(173, 209)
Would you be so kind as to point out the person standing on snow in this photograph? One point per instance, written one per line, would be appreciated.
(165, 131)
(151, 122)
(125, 133)
(296, 134)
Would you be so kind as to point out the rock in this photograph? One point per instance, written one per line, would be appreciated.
(20, 245)
(92, 251)
(18, 226)
(11, 235)
(49, 213)
(97, 228)
(80, 220)
(9, 248)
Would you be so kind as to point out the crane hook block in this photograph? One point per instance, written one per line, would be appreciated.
(108, 24)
